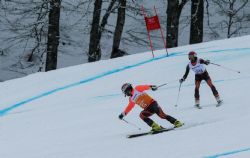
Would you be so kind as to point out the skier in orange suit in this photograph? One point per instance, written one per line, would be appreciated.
(138, 96)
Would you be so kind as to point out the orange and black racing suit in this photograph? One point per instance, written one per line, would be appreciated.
(149, 105)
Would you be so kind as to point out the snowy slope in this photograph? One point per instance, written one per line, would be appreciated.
(73, 112)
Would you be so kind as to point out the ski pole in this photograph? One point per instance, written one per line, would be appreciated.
(178, 95)
(226, 68)
(132, 124)
(166, 83)
(162, 85)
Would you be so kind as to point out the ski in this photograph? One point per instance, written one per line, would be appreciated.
(149, 133)
(183, 127)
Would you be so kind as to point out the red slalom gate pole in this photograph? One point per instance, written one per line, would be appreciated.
(162, 36)
(150, 42)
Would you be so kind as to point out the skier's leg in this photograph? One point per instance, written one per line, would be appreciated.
(158, 110)
(210, 84)
(196, 91)
(215, 92)
(144, 115)
(161, 114)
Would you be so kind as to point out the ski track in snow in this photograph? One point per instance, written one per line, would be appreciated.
(174, 54)
(176, 86)
(241, 53)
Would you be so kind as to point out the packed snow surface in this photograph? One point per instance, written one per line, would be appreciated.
(73, 112)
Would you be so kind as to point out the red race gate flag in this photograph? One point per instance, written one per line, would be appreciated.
(152, 23)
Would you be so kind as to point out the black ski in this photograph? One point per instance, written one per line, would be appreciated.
(149, 133)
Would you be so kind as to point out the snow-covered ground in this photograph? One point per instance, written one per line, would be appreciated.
(73, 112)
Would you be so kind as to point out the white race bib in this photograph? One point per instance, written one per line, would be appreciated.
(198, 68)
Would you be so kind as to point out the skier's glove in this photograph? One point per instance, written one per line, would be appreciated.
(154, 87)
(181, 80)
(207, 62)
(121, 116)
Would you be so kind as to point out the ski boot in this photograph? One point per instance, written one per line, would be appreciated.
(197, 104)
(219, 101)
(177, 124)
(156, 127)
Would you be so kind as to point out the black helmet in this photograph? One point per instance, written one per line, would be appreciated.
(127, 89)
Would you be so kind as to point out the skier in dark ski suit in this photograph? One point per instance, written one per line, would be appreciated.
(197, 65)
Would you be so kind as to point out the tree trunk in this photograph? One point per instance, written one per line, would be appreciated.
(53, 35)
(197, 15)
(97, 29)
(173, 16)
(94, 44)
(119, 29)
(231, 14)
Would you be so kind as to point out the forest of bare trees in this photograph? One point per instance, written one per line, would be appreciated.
(39, 31)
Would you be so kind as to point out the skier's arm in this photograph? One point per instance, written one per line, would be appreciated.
(129, 107)
(206, 62)
(186, 73)
(142, 88)
(127, 110)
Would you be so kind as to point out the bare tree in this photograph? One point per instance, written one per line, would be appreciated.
(94, 46)
(174, 9)
(53, 35)
(116, 52)
(213, 32)
(26, 24)
(133, 35)
(197, 16)
(24, 31)
(97, 29)
(231, 9)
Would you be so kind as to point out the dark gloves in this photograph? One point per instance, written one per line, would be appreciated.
(181, 80)
(154, 87)
(121, 116)
(207, 62)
